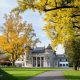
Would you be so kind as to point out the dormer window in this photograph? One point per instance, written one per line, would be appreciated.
(60, 59)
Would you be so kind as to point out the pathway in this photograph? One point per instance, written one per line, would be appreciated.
(49, 75)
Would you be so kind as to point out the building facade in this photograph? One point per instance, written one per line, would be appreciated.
(43, 57)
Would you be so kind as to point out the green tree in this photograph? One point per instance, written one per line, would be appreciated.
(73, 51)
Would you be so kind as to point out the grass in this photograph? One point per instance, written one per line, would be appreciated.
(26, 73)
(6, 76)
(21, 73)
(72, 75)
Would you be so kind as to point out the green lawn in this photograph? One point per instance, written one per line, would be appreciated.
(21, 73)
(72, 75)
(26, 73)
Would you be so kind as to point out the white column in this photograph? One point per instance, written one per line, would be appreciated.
(36, 61)
(32, 61)
(40, 61)
(25, 59)
(45, 62)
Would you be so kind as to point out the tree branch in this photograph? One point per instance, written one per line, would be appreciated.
(74, 15)
(46, 10)
(76, 27)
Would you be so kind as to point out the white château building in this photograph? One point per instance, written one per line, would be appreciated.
(43, 57)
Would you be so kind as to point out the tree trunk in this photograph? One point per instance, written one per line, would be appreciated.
(75, 67)
(78, 67)
(13, 61)
(78, 64)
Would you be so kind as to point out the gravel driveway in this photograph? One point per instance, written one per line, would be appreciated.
(49, 75)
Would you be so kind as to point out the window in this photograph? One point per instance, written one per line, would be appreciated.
(55, 63)
(67, 65)
(41, 58)
(60, 59)
(34, 58)
(66, 60)
(60, 65)
(63, 65)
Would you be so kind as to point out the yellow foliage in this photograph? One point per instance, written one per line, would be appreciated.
(17, 37)
(58, 15)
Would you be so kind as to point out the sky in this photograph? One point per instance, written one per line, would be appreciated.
(35, 18)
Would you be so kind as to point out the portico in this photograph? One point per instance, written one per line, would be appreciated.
(38, 61)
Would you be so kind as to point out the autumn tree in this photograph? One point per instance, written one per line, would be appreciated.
(17, 36)
(62, 17)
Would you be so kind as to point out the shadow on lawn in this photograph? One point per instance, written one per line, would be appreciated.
(6, 76)
(23, 77)
(73, 77)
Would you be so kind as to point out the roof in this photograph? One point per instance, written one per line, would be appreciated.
(38, 50)
(49, 47)
(2, 56)
(61, 56)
